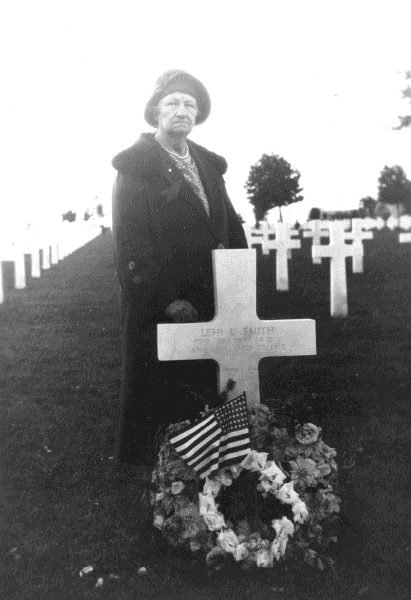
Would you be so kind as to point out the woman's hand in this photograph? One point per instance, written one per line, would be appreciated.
(181, 311)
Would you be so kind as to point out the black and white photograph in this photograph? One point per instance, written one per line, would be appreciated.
(205, 300)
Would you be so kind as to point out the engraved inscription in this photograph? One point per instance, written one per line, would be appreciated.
(256, 340)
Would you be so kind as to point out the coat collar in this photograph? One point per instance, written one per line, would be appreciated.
(141, 157)
(147, 158)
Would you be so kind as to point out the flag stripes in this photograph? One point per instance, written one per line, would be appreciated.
(219, 439)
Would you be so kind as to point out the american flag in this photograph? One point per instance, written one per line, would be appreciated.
(219, 439)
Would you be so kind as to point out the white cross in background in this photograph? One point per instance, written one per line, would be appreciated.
(405, 221)
(405, 237)
(337, 250)
(283, 244)
(236, 338)
(370, 223)
(316, 229)
(15, 253)
(257, 236)
(33, 248)
(393, 223)
(357, 234)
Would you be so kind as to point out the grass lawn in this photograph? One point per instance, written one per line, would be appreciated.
(64, 508)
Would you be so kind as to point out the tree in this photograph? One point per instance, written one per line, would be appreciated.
(99, 210)
(87, 215)
(69, 216)
(394, 188)
(367, 206)
(272, 182)
(315, 213)
(405, 121)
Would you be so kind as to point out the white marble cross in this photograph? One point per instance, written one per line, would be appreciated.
(33, 247)
(337, 250)
(405, 237)
(257, 236)
(370, 223)
(316, 229)
(405, 221)
(35, 262)
(283, 244)
(236, 338)
(393, 222)
(46, 256)
(357, 234)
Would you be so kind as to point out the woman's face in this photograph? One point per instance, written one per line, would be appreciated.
(177, 113)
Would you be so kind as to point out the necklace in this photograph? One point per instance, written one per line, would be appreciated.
(174, 153)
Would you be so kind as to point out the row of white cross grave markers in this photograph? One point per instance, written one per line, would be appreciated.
(54, 244)
(283, 239)
(236, 338)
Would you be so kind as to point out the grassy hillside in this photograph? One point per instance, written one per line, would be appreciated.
(65, 508)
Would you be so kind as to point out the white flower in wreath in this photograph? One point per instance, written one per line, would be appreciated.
(228, 540)
(284, 528)
(158, 521)
(300, 512)
(273, 473)
(214, 521)
(264, 558)
(240, 552)
(255, 461)
(206, 504)
(177, 487)
(212, 487)
(266, 485)
(287, 493)
(236, 471)
(225, 479)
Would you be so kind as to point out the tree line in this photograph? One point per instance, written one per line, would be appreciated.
(272, 182)
(394, 189)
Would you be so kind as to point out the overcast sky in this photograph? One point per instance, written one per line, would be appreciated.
(316, 82)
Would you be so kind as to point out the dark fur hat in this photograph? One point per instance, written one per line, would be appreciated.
(176, 80)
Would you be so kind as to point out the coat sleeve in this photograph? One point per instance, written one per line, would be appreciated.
(137, 253)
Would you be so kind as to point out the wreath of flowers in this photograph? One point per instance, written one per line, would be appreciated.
(296, 477)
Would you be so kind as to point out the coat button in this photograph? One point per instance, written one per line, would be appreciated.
(220, 247)
(137, 279)
(131, 265)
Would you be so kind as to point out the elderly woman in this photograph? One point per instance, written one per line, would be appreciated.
(170, 210)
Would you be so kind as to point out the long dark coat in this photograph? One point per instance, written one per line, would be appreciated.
(163, 240)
